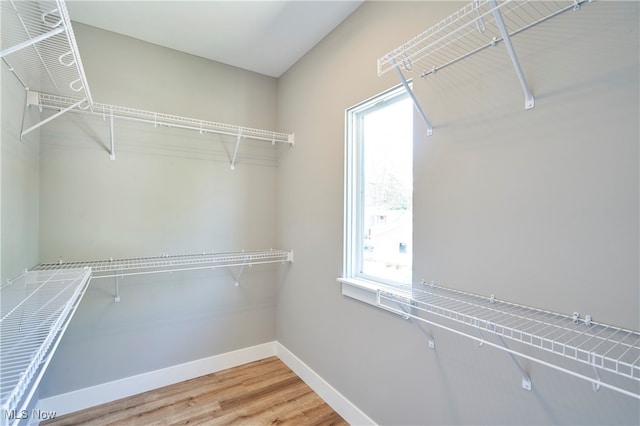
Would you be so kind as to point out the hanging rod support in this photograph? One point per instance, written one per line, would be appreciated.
(235, 151)
(412, 95)
(31, 42)
(117, 289)
(529, 101)
(237, 277)
(53, 117)
(112, 154)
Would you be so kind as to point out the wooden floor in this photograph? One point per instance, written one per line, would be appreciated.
(264, 392)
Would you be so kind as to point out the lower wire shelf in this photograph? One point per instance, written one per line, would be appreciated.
(119, 268)
(35, 310)
(604, 348)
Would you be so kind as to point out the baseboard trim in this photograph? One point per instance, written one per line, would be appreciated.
(95, 395)
(352, 414)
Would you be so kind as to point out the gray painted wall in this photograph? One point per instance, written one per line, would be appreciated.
(538, 207)
(20, 189)
(168, 191)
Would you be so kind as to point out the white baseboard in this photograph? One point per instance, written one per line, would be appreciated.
(352, 414)
(111, 391)
(95, 395)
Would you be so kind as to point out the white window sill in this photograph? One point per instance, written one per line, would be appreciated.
(363, 290)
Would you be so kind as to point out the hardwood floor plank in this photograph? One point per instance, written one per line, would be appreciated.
(264, 392)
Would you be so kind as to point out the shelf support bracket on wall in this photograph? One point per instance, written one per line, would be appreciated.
(112, 154)
(529, 101)
(237, 277)
(430, 340)
(526, 380)
(117, 276)
(30, 96)
(235, 151)
(412, 95)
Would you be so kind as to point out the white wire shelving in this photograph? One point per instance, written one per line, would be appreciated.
(478, 25)
(119, 268)
(39, 46)
(170, 263)
(157, 119)
(35, 310)
(609, 350)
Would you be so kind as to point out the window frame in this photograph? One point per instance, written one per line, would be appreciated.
(355, 282)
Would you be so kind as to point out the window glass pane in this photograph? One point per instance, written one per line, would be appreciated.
(386, 190)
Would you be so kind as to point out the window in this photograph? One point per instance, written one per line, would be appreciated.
(379, 189)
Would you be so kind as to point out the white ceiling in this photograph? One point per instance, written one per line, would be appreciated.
(263, 36)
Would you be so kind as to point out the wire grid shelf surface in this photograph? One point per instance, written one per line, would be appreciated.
(134, 266)
(602, 346)
(467, 31)
(38, 43)
(33, 312)
(57, 102)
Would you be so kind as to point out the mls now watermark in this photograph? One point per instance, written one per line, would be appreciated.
(39, 415)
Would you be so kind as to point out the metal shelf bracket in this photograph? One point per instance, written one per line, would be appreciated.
(529, 101)
(112, 154)
(526, 380)
(33, 100)
(416, 103)
(235, 151)
(118, 275)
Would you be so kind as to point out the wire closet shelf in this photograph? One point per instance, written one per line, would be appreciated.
(39, 46)
(603, 347)
(468, 31)
(35, 310)
(158, 264)
(56, 102)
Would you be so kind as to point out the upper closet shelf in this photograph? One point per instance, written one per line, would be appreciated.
(63, 104)
(155, 264)
(35, 310)
(478, 25)
(54, 102)
(39, 46)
